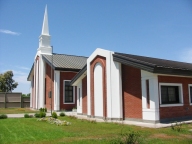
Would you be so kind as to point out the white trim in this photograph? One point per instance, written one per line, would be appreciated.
(64, 93)
(170, 105)
(180, 94)
(189, 85)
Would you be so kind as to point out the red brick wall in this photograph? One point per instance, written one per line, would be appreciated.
(177, 111)
(67, 76)
(48, 87)
(84, 95)
(131, 91)
(102, 61)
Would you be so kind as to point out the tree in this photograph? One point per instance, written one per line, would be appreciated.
(7, 84)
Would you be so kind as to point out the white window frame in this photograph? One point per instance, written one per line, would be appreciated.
(64, 93)
(189, 85)
(180, 94)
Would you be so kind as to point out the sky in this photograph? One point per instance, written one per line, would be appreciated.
(154, 28)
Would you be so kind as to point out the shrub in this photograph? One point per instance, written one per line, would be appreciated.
(54, 115)
(37, 115)
(3, 116)
(26, 116)
(131, 137)
(43, 109)
(40, 115)
(62, 114)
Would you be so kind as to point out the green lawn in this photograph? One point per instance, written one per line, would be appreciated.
(15, 110)
(29, 130)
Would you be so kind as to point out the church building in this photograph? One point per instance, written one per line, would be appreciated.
(110, 85)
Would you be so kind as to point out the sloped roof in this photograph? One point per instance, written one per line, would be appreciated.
(64, 62)
(154, 65)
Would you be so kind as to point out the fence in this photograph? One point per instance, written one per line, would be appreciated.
(13, 100)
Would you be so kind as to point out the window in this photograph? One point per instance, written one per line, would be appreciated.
(148, 97)
(79, 96)
(68, 96)
(171, 94)
(190, 94)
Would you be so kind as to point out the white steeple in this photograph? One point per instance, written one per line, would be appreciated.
(44, 38)
(45, 27)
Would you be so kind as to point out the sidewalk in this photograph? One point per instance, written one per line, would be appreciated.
(128, 122)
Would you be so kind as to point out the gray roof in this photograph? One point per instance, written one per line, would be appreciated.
(63, 61)
(154, 65)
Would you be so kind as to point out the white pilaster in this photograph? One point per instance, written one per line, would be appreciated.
(88, 89)
(37, 85)
(79, 97)
(116, 95)
(41, 82)
(151, 113)
(56, 90)
(31, 93)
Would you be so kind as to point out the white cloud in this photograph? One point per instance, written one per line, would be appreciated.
(24, 68)
(9, 32)
(186, 55)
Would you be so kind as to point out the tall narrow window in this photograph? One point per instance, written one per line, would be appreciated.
(190, 94)
(68, 92)
(147, 91)
(45, 91)
(79, 96)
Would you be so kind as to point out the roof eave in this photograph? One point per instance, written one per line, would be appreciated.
(78, 75)
(136, 64)
(171, 71)
(29, 76)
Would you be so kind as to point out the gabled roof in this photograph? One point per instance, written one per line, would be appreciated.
(154, 65)
(65, 62)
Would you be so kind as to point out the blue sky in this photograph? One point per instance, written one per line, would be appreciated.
(161, 29)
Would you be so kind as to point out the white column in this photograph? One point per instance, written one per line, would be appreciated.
(56, 90)
(41, 82)
(79, 97)
(37, 85)
(116, 94)
(151, 113)
(31, 92)
(88, 89)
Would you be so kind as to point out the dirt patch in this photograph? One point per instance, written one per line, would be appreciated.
(187, 136)
(162, 136)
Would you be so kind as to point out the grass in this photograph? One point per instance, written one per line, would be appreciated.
(15, 110)
(21, 131)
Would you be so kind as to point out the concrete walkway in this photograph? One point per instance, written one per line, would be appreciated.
(128, 122)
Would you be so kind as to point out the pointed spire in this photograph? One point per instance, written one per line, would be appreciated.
(45, 28)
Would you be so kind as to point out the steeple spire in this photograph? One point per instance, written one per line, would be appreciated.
(45, 27)
(45, 38)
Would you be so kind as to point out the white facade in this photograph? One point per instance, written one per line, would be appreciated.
(38, 95)
(151, 113)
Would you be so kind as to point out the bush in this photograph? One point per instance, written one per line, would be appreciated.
(43, 109)
(40, 115)
(26, 116)
(3, 116)
(54, 115)
(62, 114)
(132, 137)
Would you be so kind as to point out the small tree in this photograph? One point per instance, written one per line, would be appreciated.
(7, 84)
